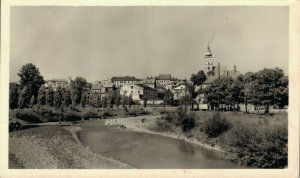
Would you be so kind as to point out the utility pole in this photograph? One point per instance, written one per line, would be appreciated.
(219, 87)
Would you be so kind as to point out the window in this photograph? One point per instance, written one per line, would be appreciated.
(131, 87)
(131, 92)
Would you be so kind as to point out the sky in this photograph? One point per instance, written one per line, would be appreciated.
(100, 42)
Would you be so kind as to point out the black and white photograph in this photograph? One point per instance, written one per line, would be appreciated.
(149, 87)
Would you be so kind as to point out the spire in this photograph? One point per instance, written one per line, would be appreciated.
(208, 48)
(234, 67)
(208, 53)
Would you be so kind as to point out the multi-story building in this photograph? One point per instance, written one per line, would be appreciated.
(120, 81)
(54, 83)
(138, 91)
(180, 92)
(149, 81)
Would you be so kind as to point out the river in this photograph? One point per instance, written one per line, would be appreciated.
(148, 151)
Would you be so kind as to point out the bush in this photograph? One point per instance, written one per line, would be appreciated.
(260, 147)
(48, 114)
(106, 114)
(187, 124)
(180, 119)
(216, 125)
(14, 126)
(90, 114)
(72, 116)
(28, 115)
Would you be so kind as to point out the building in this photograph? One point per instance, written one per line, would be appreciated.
(212, 71)
(180, 92)
(120, 81)
(234, 73)
(138, 91)
(149, 81)
(54, 83)
(209, 62)
(165, 79)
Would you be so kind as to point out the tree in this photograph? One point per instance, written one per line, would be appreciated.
(168, 98)
(145, 102)
(104, 102)
(41, 99)
(32, 100)
(262, 90)
(83, 101)
(77, 88)
(50, 97)
(67, 98)
(58, 97)
(281, 92)
(124, 100)
(13, 95)
(130, 101)
(118, 101)
(31, 79)
(24, 97)
(199, 78)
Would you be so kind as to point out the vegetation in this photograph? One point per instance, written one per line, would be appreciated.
(252, 140)
(263, 88)
(216, 125)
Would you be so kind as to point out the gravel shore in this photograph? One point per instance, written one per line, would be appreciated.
(53, 147)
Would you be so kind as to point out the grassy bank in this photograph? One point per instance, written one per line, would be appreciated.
(248, 139)
(54, 147)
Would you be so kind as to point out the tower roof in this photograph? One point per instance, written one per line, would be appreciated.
(208, 53)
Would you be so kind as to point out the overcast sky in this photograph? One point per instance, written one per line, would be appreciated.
(100, 42)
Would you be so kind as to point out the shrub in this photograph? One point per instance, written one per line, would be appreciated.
(48, 114)
(72, 116)
(28, 115)
(216, 125)
(90, 114)
(107, 114)
(14, 126)
(180, 119)
(260, 147)
(187, 123)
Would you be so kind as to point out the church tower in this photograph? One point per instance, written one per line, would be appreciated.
(209, 62)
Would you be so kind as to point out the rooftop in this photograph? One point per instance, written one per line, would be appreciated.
(124, 78)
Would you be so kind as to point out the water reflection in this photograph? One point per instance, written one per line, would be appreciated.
(143, 150)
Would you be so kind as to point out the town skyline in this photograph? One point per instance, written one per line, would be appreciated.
(145, 41)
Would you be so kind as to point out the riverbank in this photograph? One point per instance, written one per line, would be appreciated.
(53, 147)
(252, 140)
(146, 126)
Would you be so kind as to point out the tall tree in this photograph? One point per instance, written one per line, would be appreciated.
(24, 97)
(83, 101)
(262, 90)
(50, 97)
(199, 78)
(67, 98)
(13, 95)
(168, 98)
(77, 88)
(58, 97)
(31, 78)
(281, 93)
(41, 99)
(32, 101)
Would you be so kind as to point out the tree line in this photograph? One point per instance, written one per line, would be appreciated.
(263, 88)
(30, 90)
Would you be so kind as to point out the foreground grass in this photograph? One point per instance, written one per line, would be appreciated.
(49, 147)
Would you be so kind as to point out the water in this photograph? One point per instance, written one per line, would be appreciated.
(143, 150)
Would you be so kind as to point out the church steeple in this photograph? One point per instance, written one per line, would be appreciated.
(208, 53)
(208, 60)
